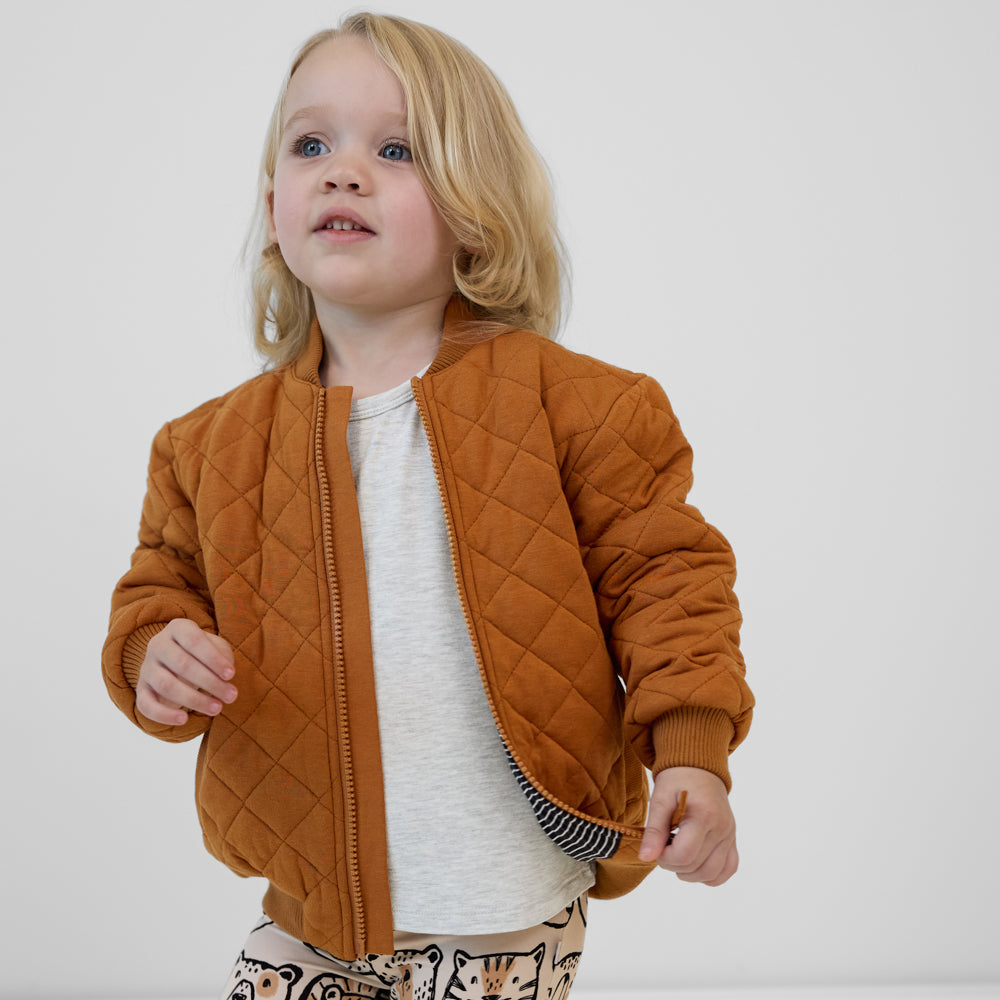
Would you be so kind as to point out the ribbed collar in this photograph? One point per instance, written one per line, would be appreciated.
(306, 367)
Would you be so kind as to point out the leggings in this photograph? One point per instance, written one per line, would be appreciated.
(534, 964)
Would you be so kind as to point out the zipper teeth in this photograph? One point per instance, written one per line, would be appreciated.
(347, 771)
(453, 551)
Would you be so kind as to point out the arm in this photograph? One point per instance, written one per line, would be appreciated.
(662, 579)
(161, 655)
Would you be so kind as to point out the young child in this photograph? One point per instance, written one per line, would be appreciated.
(428, 588)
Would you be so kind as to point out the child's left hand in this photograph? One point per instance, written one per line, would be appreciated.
(704, 847)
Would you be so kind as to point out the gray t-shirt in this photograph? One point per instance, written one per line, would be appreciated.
(466, 852)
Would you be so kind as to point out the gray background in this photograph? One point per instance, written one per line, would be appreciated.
(786, 211)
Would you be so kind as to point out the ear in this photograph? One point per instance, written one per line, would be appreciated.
(290, 973)
(272, 233)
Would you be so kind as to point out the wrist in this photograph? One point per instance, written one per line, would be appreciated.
(134, 650)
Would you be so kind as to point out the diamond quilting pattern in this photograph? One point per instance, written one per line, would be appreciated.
(529, 616)
(279, 785)
(551, 457)
(565, 481)
(240, 758)
(275, 723)
(267, 774)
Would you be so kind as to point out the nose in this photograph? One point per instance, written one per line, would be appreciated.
(345, 172)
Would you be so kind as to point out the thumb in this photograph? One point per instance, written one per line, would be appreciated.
(654, 840)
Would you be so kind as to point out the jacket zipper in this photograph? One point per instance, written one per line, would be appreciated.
(418, 395)
(340, 685)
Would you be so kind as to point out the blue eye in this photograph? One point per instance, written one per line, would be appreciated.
(309, 146)
(396, 151)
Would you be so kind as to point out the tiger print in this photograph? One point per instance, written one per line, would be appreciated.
(495, 977)
(565, 973)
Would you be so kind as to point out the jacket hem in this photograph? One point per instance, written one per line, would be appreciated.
(620, 874)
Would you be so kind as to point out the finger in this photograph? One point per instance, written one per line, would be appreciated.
(174, 690)
(729, 869)
(151, 706)
(654, 840)
(707, 867)
(210, 650)
(689, 849)
(717, 869)
(185, 667)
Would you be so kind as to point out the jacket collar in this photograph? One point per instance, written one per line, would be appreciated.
(453, 346)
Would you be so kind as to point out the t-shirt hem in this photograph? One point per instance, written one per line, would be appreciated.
(493, 921)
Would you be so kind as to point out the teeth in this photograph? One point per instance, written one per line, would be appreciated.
(342, 224)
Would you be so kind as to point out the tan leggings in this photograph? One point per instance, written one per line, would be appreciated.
(534, 964)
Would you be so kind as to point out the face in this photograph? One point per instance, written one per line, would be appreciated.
(347, 208)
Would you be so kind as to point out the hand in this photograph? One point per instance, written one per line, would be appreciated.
(185, 669)
(704, 847)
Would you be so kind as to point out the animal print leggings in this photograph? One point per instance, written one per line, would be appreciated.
(535, 964)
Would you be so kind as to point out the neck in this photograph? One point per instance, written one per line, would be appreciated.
(374, 351)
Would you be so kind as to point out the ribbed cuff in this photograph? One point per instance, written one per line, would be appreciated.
(134, 650)
(694, 737)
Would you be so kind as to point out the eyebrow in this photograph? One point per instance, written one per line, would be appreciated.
(316, 110)
(302, 113)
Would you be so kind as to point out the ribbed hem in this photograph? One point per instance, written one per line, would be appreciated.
(286, 912)
(694, 737)
(134, 650)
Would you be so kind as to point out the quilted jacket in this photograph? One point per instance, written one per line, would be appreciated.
(599, 605)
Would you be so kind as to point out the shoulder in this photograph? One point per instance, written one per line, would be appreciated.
(570, 386)
(251, 403)
(228, 423)
(522, 351)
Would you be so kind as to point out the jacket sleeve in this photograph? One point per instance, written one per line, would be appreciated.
(663, 580)
(166, 581)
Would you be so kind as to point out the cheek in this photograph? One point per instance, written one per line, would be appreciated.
(286, 210)
(281, 219)
(423, 220)
(441, 241)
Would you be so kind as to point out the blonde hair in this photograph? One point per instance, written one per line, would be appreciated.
(479, 168)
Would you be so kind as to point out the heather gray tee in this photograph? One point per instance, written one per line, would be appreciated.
(466, 852)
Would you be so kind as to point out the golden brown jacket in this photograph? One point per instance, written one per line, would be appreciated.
(599, 604)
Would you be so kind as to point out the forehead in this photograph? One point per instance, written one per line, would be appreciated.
(346, 75)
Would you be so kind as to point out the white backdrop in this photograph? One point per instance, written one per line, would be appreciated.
(785, 210)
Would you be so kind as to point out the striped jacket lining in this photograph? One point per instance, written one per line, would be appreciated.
(581, 839)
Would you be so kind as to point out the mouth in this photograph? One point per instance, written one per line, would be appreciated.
(345, 225)
(343, 221)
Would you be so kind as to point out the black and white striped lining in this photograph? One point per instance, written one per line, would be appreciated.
(581, 839)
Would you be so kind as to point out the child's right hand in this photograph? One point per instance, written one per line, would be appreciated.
(185, 669)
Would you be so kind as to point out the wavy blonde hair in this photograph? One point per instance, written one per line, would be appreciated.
(479, 168)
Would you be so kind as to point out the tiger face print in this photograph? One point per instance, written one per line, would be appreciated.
(495, 977)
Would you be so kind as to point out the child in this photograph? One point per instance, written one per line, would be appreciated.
(427, 588)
